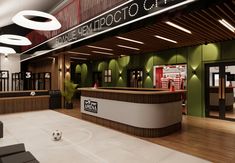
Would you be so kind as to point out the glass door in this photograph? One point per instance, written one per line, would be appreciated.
(230, 91)
(220, 84)
(135, 78)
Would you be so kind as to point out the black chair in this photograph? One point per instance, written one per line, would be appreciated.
(16, 154)
(23, 157)
(1, 129)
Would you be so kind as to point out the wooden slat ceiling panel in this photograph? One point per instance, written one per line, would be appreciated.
(203, 24)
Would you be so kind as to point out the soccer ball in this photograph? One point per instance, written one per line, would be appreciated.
(32, 93)
(56, 135)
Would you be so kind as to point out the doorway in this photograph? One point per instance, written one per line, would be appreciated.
(97, 78)
(135, 78)
(220, 90)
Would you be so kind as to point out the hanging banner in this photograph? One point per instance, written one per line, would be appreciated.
(124, 14)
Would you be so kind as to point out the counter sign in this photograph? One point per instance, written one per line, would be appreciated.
(91, 106)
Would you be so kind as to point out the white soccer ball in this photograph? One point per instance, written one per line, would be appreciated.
(57, 135)
(32, 93)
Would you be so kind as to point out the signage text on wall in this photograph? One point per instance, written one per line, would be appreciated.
(124, 14)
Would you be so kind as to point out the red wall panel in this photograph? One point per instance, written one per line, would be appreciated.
(68, 16)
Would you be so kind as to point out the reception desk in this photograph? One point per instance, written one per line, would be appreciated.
(20, 101)
(141, 112)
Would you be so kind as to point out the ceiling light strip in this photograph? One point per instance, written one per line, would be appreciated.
(78, 58)
(101, 48)
(227, 25)
(71, 52)
(128, 47)
(102, 53)
(166, 39)
(130, 40)
(178, 27)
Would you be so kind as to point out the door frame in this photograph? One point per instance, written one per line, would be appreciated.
(222, 73)
(134, 69)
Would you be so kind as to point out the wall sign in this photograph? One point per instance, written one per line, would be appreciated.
(91, 106)
(4, 74)
(124, 14)
(47, 75)
(28, 75)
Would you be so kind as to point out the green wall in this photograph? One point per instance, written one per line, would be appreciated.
(195, 57)
(86, 76)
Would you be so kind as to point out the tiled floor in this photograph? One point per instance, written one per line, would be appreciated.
(82, 142)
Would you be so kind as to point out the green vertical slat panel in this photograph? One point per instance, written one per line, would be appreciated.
(159, 59)
(102, 65)
(78, 68)
(211, 52)
(203, 90)
(228, 50)
(123, 62)
(148, 68)
(112, 65)
(181, 56)
(194, 87)
(134, 62)
(86, 74)
(171, 56)
(95, 66)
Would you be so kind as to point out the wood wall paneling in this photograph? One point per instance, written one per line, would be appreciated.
(22, 104)
(46, 65)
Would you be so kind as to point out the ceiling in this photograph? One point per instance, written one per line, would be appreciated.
(203, 24)
(8, 8)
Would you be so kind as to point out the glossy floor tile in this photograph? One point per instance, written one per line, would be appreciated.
(82, 142)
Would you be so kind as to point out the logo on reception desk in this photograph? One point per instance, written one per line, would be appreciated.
(91, 106)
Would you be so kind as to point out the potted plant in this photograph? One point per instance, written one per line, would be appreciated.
(70, 89)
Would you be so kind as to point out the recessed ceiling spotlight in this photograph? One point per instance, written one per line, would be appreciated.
(21, 19)
(166, 39)
(227, 25)
(101, 48)
(15, 40)
(178, 27)
(102, 53)
(7, 50)
(78, 53)
(130, 40)
(128, 47)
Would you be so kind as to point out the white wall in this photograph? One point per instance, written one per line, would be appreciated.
(11, 63)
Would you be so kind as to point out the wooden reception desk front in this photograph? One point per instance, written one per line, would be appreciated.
(141, 112)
